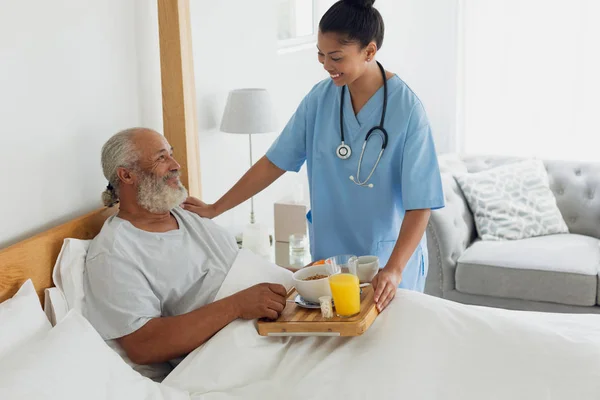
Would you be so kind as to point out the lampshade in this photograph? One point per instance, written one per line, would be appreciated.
(248, 111)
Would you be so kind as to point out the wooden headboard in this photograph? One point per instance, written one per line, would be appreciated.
(35, 257)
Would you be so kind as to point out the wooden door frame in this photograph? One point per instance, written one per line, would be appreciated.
(179, 89)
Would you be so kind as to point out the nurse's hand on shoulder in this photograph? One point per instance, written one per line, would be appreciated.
(199, 207)
(385, 284)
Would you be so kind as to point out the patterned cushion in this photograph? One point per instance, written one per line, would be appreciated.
(512, 201)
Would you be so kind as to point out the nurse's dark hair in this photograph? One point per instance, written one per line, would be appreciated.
(356, 20)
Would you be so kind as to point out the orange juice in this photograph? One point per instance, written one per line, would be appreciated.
(346, 294)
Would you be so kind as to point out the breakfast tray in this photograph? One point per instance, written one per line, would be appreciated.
(300, 321)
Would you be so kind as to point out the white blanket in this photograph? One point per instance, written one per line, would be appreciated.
(420, 347)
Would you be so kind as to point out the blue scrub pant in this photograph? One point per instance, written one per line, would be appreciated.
(415, 272)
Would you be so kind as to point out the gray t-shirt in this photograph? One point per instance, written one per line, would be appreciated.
(132, 276)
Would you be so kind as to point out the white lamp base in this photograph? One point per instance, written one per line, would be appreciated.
(256, 238)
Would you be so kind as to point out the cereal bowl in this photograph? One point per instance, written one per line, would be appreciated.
(312, 282)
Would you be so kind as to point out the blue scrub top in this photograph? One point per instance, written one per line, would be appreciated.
(349, 219)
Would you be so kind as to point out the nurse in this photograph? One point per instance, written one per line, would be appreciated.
(368, 197)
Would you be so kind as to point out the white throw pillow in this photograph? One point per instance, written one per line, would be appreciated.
(72, 361)
(68, 278)
(512, 201)
(21, 319)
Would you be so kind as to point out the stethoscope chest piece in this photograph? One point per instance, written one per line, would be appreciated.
(343, 151)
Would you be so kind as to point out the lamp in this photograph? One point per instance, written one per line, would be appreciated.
(250, 111)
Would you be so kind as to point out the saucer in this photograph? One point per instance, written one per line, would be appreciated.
(300, 301)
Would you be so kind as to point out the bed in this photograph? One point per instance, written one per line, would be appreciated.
(34, 258)
(420, 347)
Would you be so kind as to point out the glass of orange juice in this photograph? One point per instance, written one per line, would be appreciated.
(344, 284)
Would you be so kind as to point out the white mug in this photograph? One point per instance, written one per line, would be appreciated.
(368, 267)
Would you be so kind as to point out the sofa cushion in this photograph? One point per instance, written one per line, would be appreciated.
(512, 201)
(560, 268)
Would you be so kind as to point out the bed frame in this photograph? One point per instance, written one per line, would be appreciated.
(35, 257)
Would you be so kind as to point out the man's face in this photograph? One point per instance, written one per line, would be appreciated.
(157, 174)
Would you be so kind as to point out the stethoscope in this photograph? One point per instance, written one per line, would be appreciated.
(344, 151)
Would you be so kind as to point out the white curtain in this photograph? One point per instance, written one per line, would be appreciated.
(531, 78)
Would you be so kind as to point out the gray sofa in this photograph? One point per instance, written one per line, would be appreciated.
(553, 273)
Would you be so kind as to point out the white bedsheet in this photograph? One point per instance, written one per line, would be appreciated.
(420, 347)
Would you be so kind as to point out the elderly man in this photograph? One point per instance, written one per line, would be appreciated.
(152, 273)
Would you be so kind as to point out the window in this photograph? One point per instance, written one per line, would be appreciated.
(296, 22)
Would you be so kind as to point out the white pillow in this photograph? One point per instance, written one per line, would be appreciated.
(72, 361)
(512, 201)
(21, 319)
(68, 278)
(68, 271)
(250, 269)
(55, 305)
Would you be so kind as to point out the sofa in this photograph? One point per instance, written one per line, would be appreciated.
(549, 273)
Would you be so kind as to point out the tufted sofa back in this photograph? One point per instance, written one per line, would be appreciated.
(576, 186)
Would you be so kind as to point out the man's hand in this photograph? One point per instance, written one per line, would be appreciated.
(199, 207)
(265, 300)
(385, 284)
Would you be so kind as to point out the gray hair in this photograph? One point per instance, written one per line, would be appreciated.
(118, 152)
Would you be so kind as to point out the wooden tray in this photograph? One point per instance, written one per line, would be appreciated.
(300, 321)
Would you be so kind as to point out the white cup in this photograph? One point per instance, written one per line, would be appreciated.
(368, 267)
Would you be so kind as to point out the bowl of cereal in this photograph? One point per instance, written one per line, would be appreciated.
(312, 283)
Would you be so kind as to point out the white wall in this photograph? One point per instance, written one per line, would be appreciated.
(420, 45)
(148, 63)
(234, 46)
(68, 80)
(532, 90)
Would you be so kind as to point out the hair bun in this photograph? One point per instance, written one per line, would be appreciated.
(360, 3)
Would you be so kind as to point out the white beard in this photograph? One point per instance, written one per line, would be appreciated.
(156, 196)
